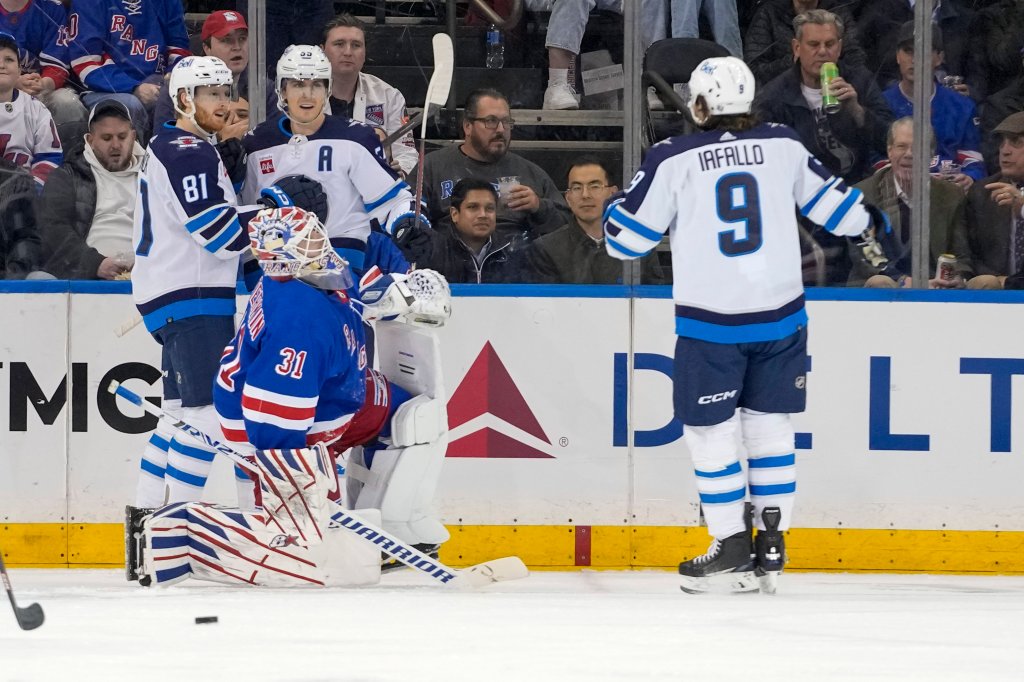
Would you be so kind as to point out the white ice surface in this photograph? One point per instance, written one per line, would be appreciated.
(551, 626)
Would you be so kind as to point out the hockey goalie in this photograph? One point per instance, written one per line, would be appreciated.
(295, 394)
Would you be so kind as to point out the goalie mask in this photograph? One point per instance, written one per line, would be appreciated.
(291, 242)
(725, 83)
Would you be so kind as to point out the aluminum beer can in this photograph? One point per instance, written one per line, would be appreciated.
(945, 267)
(829, 102)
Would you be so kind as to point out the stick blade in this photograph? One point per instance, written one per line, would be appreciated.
(494, 571)
(444, 64)
(30, 617)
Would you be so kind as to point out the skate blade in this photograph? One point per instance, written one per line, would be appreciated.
(722, 583)
(769, 581)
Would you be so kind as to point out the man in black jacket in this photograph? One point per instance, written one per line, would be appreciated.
(844, 140)
(19, 241)
(575, 253)
(470, 251)
(87, 207)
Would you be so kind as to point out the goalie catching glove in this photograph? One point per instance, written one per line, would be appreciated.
(421, 298)
(299, 191)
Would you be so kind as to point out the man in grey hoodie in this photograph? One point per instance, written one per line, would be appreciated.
(87, 207)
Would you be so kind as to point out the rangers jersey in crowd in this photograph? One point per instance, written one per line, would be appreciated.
(347, 159)
(283, 385)
(382, 106)
(41, 31)
(28, 137)
(955, 124)
(188, 234)
(741, 229)
(121, 43)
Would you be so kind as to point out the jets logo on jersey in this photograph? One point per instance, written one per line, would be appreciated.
(375, 114)
(266, 166)
(187, 142)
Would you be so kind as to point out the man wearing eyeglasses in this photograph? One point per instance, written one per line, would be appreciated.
(534, 205)
(575, 253)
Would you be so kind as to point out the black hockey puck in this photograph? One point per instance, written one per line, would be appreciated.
(201, 620)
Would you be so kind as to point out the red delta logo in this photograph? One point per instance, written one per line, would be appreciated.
(489, 396)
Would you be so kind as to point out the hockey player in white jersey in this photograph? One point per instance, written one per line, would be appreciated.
(726, 196)
(189, 236)
(346, 157)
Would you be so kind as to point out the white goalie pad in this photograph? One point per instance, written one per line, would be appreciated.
(403, 478)
(226, 545)
(294, 485)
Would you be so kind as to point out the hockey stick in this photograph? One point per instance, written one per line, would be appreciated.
(437, 93)
(496, 570)
(127, 325)
(29, 617)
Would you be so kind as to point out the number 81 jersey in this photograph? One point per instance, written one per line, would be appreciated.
(731, 199)
(188, 236)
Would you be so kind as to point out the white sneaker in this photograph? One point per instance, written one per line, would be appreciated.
(654, 102)
(561, 96)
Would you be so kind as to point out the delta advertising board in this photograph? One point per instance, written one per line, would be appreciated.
(910, 422)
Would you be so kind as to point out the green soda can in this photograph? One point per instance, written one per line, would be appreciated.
(829, 102)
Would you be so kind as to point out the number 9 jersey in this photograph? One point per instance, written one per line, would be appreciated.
(188, 234)
(729, 199)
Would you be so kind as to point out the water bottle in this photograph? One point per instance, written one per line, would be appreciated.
(495, 48)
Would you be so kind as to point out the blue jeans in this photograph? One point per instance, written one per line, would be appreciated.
(569, 20)
(721, 14)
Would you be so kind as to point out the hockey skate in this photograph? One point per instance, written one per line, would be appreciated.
(770, 548)
(133, 541)
(389, 563)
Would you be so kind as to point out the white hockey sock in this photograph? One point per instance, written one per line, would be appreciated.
(150, 490)
(721, 481)
(771, 463)
(558, 77)
(188, 460)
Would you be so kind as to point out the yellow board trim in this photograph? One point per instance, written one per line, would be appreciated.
(87, 545)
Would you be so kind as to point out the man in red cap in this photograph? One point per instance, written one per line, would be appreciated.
(225, 36)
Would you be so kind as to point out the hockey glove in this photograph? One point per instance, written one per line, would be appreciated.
(297, 190)
(869, 240)
(413, 238)
(232, 153)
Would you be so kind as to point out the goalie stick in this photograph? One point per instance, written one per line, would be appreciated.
(29, 617)
(437, 93)
(496, 570)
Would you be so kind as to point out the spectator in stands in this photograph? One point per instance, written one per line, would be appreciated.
(361, 96)
(469, 250)
(534, 205)
(124, 54)
(995, 208)
(225, 35)
(88, 206)
(954, 116)
(39, 28)
(565, 34)
(995, 39)
(721, 15)
(575, 253)
(843, 141)
(890, 189)
(997, 107)
(767, 44)
(879, 30)
(28, 137)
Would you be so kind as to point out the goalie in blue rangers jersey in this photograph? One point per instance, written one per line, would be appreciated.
(189, 236)
(294, 391)
(344, 156)
(726, 196)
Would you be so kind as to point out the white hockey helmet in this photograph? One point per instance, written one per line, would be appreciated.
(725, 83)
(192, 72)
(291, 242)
(301, 62)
